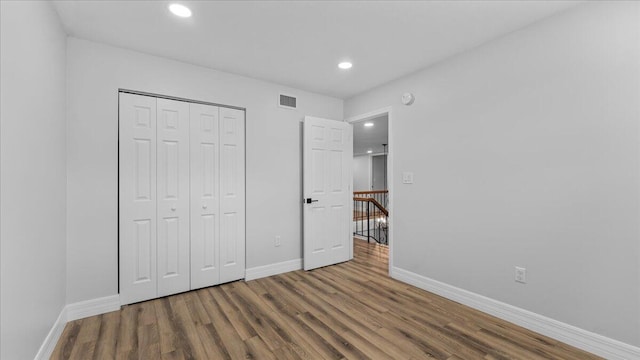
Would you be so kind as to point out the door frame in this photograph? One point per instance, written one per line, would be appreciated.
(368, 116)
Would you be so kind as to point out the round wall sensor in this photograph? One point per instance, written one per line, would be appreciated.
(408, 98)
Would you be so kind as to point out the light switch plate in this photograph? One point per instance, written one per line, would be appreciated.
(407, 178)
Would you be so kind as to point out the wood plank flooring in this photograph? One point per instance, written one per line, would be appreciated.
(347, 311)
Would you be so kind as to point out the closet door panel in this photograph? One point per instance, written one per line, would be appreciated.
(173, 196)
(232, 195)
(205, 199)
(137, 197)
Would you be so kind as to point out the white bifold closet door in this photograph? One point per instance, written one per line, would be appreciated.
(232, 197)
(205, 198)
(137, 198)
(181, 184)
(173, 196)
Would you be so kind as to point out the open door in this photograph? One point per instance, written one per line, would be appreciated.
(327, 158)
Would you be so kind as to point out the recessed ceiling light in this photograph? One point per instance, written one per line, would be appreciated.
(368, 124)
(345, 65)
(369, 151)
(180, 10)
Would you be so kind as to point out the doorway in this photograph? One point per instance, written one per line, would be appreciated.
(372, 178)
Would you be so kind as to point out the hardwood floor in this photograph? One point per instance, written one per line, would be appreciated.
(347, 311)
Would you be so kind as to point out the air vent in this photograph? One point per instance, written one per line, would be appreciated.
(287, 101)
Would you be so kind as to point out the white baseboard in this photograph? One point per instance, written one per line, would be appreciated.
(272, 269)
(49, 344)
(93, 307)
(72, 312)
(597, 344)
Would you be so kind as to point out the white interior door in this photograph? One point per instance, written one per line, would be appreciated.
(137, 183)
(205, 201)
(327, 178)
(232, 196)
(173, 196)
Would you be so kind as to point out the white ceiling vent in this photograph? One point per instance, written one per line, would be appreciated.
(288, 102)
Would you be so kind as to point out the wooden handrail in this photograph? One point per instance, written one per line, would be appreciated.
(370, 192)
(375, 202)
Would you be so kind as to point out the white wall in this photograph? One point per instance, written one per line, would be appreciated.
(362, 173)
(526, 153)
(32, 175)
(95, 72)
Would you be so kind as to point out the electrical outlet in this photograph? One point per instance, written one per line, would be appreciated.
(278, 241)
(521, 275)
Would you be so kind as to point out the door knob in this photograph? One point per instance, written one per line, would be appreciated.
(309, 201)
(173, 208)
(204, 206)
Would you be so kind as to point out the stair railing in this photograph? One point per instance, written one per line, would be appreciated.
(382, 196)
(371, 216)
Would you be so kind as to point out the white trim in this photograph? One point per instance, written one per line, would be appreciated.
(351, 189)
(390, 155)
(72, 312)
(50, 342)
(569, 334)
(92, 307)
(272, 269)
(372, 154)
(370, 115)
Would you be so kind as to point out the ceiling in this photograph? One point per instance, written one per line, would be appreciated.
(299, 43)
(370, 138)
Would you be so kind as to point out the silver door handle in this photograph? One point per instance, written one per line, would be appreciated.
(204, 206)
(173, 208)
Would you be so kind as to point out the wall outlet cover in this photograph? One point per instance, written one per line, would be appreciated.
(521, 275)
